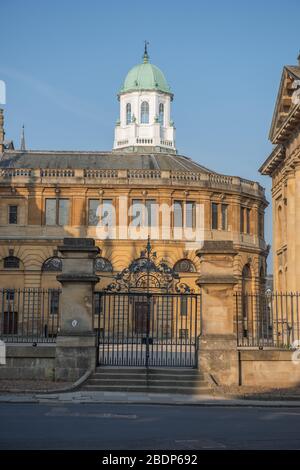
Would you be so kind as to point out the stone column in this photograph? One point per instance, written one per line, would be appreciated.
(297, 230)
(76, 342)
(218, 354)
(291, 235)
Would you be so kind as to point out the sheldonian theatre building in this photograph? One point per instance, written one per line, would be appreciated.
(173, 240)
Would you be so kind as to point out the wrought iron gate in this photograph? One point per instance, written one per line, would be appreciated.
(147, 329)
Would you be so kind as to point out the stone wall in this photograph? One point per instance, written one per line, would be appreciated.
(220, 359)
(27, 362)
(268, 368)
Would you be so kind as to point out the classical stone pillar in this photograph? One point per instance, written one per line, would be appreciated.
(76, 340)
(291, 234)
(218, 355)
(297, 227)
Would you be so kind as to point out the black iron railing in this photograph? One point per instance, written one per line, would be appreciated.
(268, 319)
(29, 315)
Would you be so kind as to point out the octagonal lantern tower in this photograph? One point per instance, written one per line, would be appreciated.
(145, 111)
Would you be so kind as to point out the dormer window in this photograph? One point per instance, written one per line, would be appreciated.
(128, 113)
(145, 112)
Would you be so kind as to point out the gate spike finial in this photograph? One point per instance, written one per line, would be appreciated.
(149, 245)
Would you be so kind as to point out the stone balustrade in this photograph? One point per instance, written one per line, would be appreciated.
(161, 177)
(57, 173)
(100, 173)
(143, 174)
(220, 179)
(14, 172)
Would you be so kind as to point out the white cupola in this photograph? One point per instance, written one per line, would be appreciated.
(145, 111)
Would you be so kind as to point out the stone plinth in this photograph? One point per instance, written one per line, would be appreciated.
(218, 357)
(76, 341)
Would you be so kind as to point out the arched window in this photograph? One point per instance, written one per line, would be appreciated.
(128, 113)
(103, 265)
(184, 266)
(161, 114)
(246, 278)
(11, 262)
(145, 112)
(53, 264)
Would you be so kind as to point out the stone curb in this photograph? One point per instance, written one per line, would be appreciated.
(144, 400)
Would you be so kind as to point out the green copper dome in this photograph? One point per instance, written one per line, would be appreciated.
(145, 76)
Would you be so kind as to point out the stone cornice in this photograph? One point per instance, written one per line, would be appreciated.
(217, 247)
(78, 277)
(275, 158)
(290, 123)
(216, 280)
(286, 169)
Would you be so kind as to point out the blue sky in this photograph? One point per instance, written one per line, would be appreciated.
(64, 61)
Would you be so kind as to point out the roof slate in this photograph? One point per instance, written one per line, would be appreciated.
(99, 160)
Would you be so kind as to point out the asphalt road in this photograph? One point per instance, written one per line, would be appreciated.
(91, 426)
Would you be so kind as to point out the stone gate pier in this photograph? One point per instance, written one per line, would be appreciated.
(76, 339)
(218, 355)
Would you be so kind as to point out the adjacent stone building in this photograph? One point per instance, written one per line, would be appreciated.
(283, 165)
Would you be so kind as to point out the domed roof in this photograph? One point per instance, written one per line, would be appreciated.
(145, 76)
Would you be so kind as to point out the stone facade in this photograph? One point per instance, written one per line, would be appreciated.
(46, 196)
(27, 182)
(283, 165)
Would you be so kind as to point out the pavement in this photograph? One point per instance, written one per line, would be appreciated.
(81, 397)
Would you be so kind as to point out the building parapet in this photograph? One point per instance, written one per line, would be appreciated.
(163, 177)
